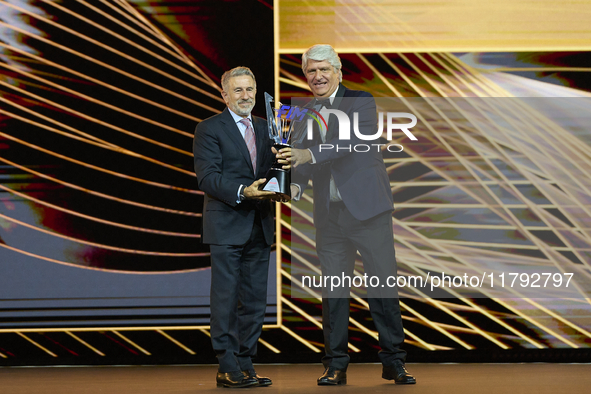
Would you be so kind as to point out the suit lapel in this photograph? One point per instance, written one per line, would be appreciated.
(262, 136)
(332, 126)
(233, 133)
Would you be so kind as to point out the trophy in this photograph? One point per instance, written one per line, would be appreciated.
(280, 127)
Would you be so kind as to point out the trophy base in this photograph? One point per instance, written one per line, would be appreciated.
(278, 181)
(279, 145)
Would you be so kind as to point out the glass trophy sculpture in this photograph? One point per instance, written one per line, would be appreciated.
(280, 127)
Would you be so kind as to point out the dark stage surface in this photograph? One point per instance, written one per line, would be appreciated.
(298, 378)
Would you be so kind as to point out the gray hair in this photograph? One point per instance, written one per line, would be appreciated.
(322, 52)
(237, 72)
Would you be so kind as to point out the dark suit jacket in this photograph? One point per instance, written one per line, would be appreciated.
(222, 164)
(361, 177)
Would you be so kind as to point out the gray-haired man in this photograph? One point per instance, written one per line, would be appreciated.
(232, 152)
(352, 212)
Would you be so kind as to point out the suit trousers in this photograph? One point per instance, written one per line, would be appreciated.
(337, 243)
(238, 299)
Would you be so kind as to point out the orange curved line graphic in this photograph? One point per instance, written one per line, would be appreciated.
(95, 120)
(95, 268)
(101, 246)
(112, 68)
(117, 174)
(130, 58)
(173, 50)
(95, 101)
(110, 147)
(98, 194)
(98, 82)
(95, 219)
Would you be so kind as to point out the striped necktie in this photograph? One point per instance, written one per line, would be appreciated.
(250, 140)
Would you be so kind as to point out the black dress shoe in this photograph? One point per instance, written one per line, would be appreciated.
(235, 380)
(333, 376)
(398, 373)
(251, 373)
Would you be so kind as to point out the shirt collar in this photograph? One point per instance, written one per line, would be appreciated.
(333, 95)
(330, 98)
(238, 118)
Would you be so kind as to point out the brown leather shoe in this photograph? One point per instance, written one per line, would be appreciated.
(398, 373)
(333, 376)
(234, 380)
(251, 373)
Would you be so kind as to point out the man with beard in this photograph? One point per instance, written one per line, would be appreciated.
(232, 152)
(352, 212)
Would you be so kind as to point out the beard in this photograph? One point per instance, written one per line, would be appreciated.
(243, 111)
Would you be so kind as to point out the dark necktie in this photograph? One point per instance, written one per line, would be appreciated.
(250, 140)
(324, 103)
(320, 103)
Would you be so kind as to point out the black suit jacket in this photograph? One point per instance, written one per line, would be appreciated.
(222, 164)
(361, 177)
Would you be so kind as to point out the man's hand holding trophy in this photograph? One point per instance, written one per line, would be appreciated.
(278, 178)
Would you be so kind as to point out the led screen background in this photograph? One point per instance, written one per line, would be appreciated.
(100, 210)
(472, 193)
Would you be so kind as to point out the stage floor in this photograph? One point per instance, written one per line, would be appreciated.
(301, 378)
